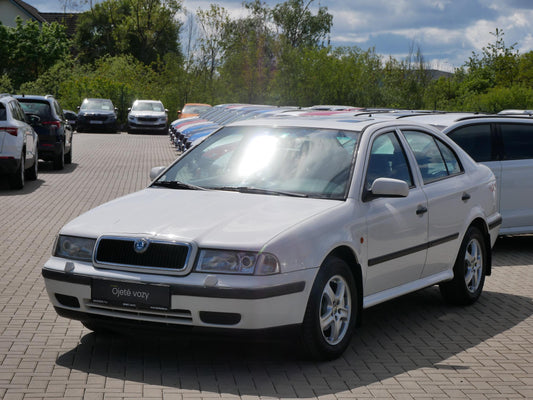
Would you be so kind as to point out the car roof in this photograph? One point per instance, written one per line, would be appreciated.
(342, 122)
(34, 97)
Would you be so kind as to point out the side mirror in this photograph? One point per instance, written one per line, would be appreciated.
(387, 187)
(155, 172)
(129, 109)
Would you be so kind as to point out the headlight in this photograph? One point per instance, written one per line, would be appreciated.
(237, 262)
(75, 248)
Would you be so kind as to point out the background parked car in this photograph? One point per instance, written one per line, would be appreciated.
(505, 144)
(192, 109)
(147, 116)
(18, 144)
(97, 115)
(55, 132)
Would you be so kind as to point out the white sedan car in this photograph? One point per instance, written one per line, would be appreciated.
(283, 223)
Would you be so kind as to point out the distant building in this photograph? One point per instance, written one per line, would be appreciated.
(10, 9)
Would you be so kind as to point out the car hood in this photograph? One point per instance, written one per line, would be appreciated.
(208, 218)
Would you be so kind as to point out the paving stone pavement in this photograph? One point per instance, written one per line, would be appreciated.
(415, 347)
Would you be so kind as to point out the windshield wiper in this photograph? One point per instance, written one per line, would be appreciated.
(248, 189)
(177, 185)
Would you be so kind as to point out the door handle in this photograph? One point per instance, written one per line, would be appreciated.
(421, 210)
(465, 197)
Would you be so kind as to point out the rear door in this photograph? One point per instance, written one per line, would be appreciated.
(445, 185)
(516, 188)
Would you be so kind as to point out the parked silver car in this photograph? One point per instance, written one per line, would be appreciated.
(147, 116)
(283, 223)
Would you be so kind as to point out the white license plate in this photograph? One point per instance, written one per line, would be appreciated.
(96, 122)
(131, 295)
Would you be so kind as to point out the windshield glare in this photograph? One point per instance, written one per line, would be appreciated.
(306, 161)
(103, 105)
(147, 106)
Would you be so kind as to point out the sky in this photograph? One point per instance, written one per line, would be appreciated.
(446, 31)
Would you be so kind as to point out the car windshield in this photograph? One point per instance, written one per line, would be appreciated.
(194, 108)
(40, 108)
(308, 162)
(97, 105)
(147, 106)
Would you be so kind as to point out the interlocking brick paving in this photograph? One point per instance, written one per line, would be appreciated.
(415, 347)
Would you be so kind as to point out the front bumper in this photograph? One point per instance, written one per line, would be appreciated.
(95, 125)
(196, 300)
(137, 127)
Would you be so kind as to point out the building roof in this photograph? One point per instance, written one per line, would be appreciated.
(29, 10)
(70, 20)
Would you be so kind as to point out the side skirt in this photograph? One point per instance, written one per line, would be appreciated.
(398, 291)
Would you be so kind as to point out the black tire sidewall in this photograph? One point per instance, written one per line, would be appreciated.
(312, 338)
(59, 161)
(456, 291)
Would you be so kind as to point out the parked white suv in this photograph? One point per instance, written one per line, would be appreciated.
(294, 223)
(504, 143)
(18, 144)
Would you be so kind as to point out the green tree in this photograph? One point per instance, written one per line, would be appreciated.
(145, 29)
(299, 27)
(249, 62)
(497, 65)
(28, 49)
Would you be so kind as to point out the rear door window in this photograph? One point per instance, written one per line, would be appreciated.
(435, 159)
(476, 140)
(3, 113)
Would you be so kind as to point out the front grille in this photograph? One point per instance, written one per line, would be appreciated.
(148, 119)
(159, 254)
(97, 117)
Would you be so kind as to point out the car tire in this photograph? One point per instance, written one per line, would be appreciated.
(31, 173)
(331, 312)
(469, 270)
(16, 180)
(59, 160)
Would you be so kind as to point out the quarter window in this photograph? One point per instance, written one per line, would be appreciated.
(435, 159)
(517, 141)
